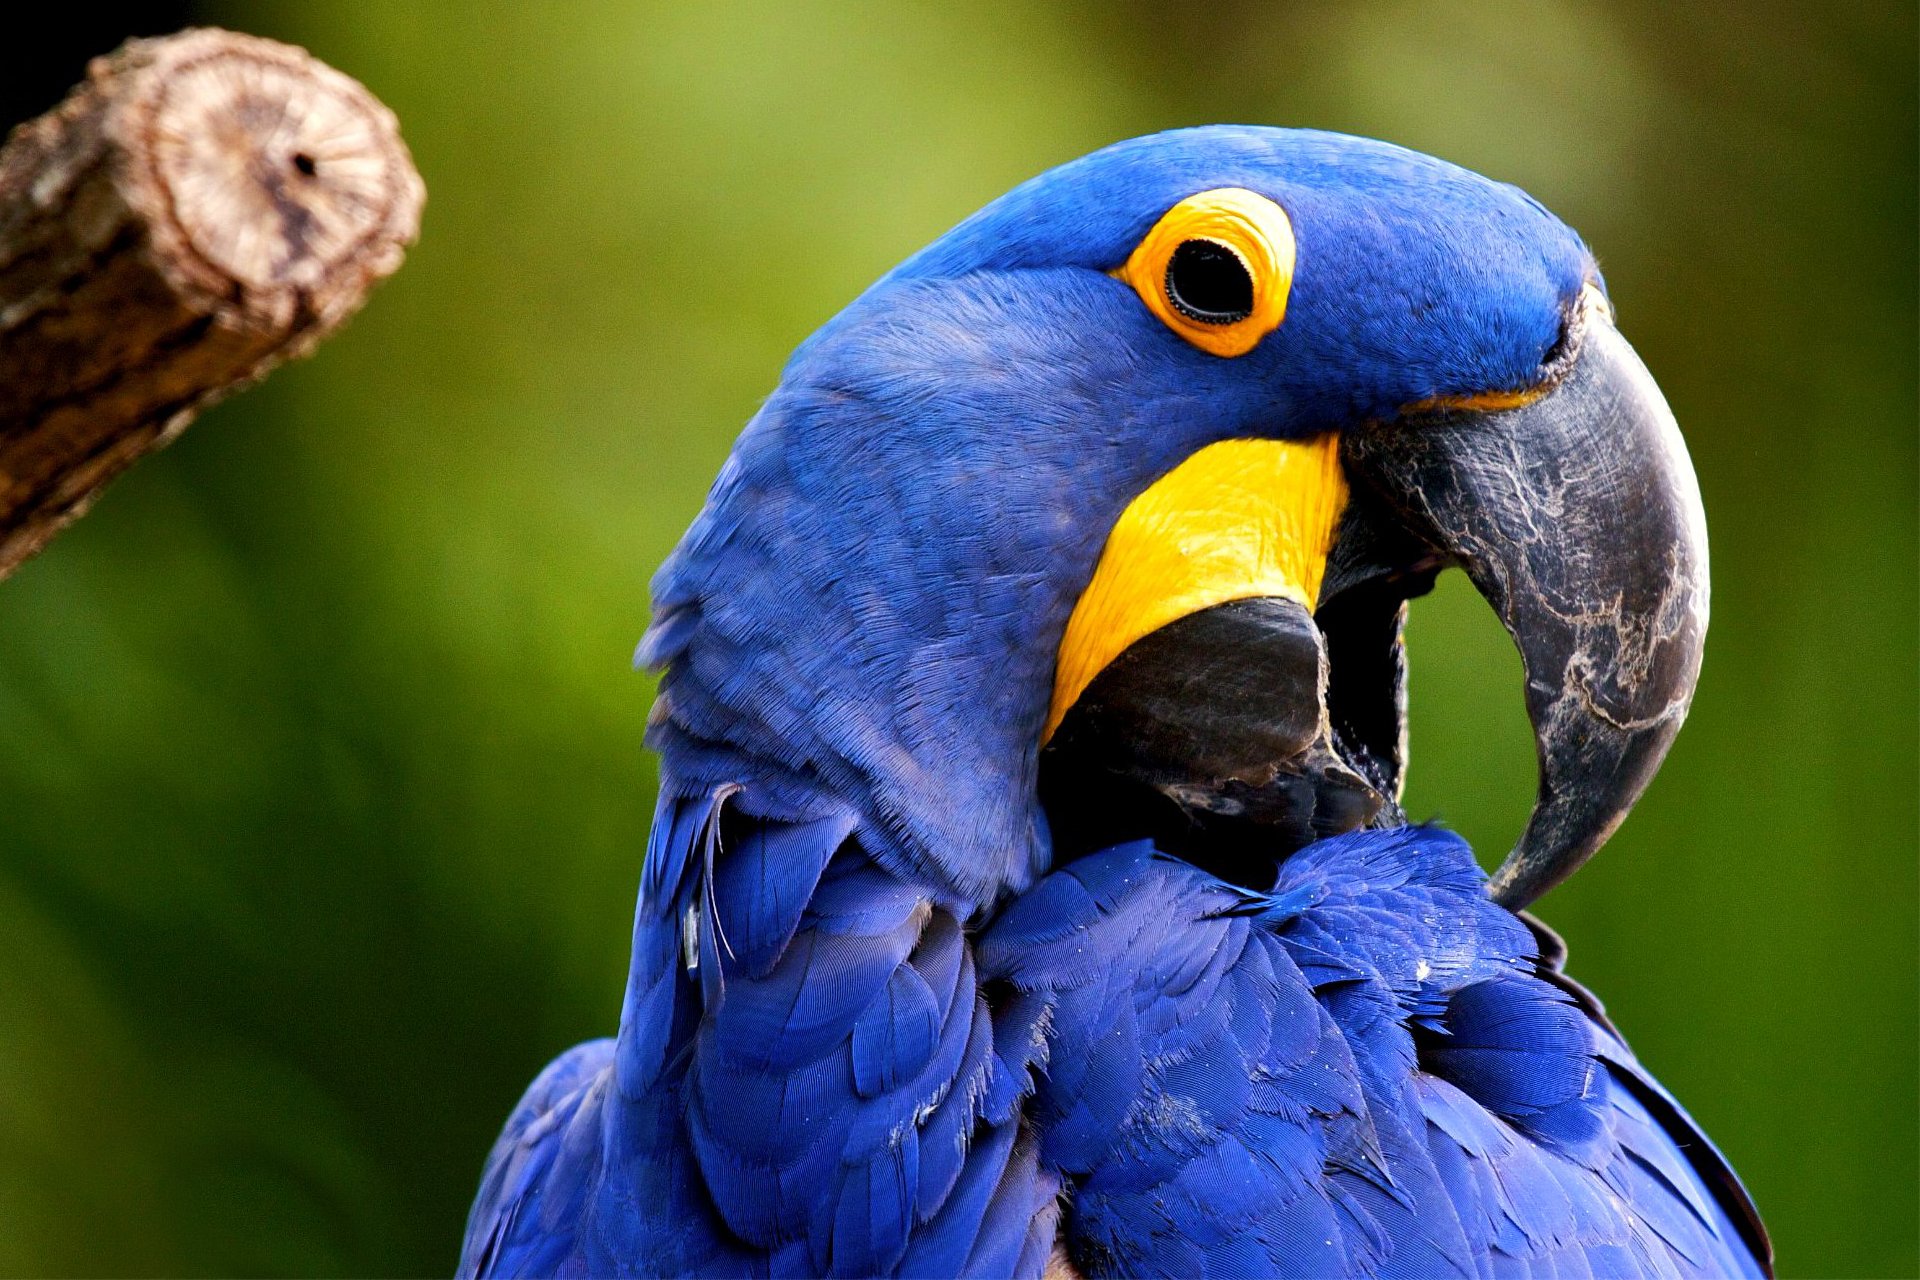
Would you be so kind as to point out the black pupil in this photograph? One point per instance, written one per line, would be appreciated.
(1208, 282)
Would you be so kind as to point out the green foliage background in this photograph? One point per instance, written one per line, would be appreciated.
(321, 774)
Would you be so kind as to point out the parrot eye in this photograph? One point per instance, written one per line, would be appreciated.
(1216, 269)
(1206, 281)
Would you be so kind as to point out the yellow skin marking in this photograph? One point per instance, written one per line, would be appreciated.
(1483, 401)
(1592, 303)
(1238, 519)
(1254, 229)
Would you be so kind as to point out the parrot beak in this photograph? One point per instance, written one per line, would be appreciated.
(1578, 517)
(1236, 723)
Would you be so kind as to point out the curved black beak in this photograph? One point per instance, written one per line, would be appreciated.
(1579, 519)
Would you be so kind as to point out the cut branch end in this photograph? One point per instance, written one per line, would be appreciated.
(201, 208)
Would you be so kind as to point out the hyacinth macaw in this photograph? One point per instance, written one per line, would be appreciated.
(1028, 892)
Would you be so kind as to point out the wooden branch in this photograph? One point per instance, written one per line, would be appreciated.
(201, 208)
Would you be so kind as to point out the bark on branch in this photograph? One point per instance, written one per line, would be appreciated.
(201, 208)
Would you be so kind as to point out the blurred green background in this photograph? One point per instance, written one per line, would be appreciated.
(320, 756)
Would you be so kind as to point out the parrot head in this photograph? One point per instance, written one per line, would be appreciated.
(1097, 520)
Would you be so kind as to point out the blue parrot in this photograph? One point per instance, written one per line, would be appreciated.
(1028, 892)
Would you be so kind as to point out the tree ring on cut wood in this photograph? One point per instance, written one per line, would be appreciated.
(274, 181)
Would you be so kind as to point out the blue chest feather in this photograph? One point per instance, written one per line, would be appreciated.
(824, 1070)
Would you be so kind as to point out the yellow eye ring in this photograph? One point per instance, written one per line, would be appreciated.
(1216, 269)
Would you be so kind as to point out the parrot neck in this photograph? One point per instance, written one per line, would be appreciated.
(891, 652)
(935, 753)
(869, 610)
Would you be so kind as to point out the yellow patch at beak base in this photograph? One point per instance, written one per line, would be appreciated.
(1238, 519)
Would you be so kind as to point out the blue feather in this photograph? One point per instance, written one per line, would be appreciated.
(1268, 1102)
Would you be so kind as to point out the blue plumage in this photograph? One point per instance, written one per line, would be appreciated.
(1223, 1082)
(870, 1028)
